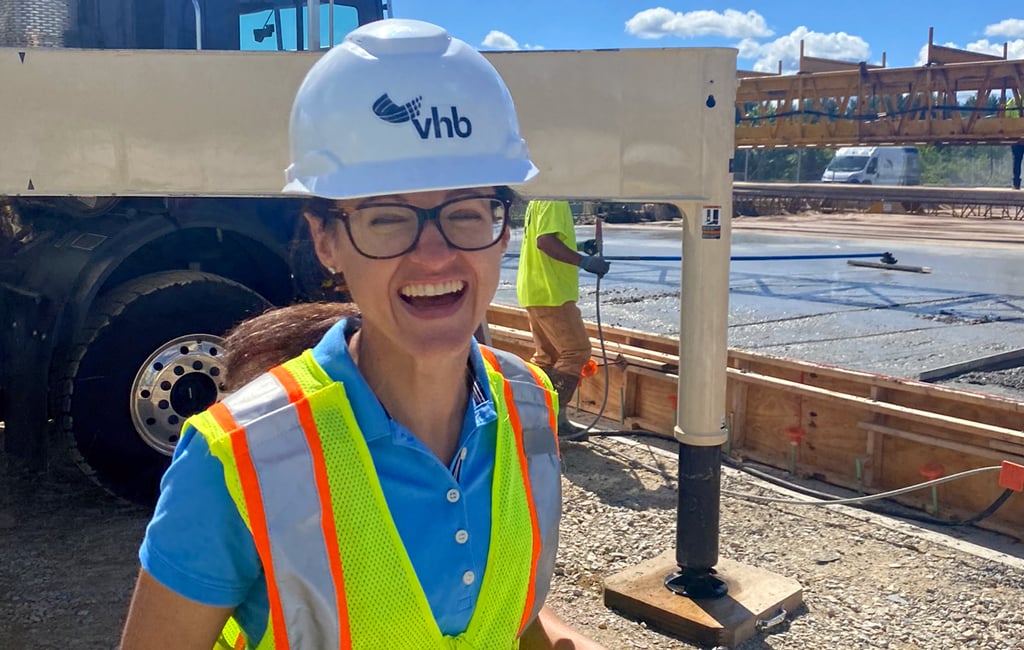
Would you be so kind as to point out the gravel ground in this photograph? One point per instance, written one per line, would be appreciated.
(1005, 383)
(868, 581)
(67, 562)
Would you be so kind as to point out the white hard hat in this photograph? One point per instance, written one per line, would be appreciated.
(401, 106)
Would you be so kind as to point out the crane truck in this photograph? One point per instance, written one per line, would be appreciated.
(113, 306)
(142, 213)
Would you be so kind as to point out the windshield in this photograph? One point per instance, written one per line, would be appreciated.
(284, 26)
(215, 24)
(847, 163)
(275, 25)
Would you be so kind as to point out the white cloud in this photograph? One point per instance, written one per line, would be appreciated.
(1015, 49)
(499, 41)
(658, 22)
(1009, 28)
(985, 47)
(922, 55)
(834, 45)
(496, 40)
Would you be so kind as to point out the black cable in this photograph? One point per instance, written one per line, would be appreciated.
(604, 358)
(624, 433)
(877, 508)
(604, 352)
(987, 512)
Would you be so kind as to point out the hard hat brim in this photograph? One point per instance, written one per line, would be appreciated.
(410, 176)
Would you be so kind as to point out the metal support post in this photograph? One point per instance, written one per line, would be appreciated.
(703, 355)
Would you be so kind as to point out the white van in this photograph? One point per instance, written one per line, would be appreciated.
(874, 166)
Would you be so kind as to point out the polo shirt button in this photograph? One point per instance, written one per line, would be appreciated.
(461, 537)
(468, 577)
(453, 495)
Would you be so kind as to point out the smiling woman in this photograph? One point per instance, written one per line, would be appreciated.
(422, 288)
(377, 479)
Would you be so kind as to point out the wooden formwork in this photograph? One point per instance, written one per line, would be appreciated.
(858, 430)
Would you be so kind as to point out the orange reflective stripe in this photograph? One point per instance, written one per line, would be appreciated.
(517, 428)
(551, 407)
(257, 517)
(223, 417)
(492, 360)
(288, 383)
(323, 488)
(240, 642)
(513, 417)
(524, 467)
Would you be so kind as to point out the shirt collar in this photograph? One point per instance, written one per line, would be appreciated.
(333, 356)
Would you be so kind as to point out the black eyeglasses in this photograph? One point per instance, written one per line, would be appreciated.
(385, 230)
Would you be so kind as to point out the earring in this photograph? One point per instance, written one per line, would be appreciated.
(331, 269)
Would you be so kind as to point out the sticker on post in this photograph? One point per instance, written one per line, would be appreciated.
(711, 222)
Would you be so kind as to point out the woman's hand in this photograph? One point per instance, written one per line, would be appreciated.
(548, 632)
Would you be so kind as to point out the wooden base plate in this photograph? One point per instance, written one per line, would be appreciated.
(755, 597)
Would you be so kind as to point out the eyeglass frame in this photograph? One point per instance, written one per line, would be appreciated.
(423, 215)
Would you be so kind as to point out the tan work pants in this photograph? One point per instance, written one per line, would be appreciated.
(560, 340)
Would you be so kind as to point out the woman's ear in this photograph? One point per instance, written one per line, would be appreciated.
(323, 242)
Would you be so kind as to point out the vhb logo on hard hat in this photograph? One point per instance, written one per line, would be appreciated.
(398, 107)
(437, 126)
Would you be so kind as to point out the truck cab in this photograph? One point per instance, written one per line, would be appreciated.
(184, 24)
(874, 166)
(115, 306)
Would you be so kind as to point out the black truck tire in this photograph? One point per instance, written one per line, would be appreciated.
(147, 358)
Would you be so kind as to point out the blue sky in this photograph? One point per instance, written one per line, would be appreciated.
(764, 32)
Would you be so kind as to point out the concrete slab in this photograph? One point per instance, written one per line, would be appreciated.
(877, 320)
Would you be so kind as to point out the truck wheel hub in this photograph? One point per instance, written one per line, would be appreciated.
(181, 378)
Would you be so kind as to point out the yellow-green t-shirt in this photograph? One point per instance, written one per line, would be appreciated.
(1011, 108)
(543, 281)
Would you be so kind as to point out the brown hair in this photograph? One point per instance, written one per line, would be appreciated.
(277, 335)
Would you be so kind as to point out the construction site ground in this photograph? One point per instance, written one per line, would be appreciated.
(897, 227)
(68, 550)
(972, 294)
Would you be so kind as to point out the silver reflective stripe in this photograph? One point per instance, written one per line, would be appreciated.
(531, 402)
(302, 571)
(257, 398)
(545, 471)
(546, 479)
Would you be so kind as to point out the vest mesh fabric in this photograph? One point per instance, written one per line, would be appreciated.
(384, 608)
(386, 605)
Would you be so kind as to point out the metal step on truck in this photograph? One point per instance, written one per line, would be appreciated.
(112, 305)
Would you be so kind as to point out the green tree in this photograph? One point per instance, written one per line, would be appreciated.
(965, 166)
(947, 165)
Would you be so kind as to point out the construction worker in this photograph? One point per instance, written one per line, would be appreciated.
(547, 285)
(397, 485)
(1017, 148)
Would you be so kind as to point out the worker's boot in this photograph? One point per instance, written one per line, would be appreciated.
(565, 385)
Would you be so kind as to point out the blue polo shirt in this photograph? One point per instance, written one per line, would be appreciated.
(198, 546)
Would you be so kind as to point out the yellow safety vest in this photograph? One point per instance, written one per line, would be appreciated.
(1011, 108)
(293, 454)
